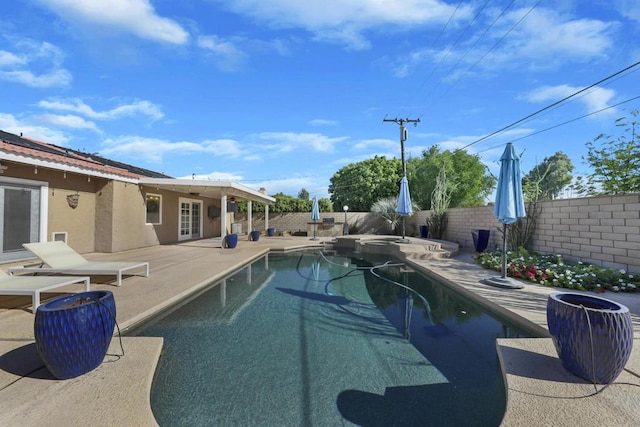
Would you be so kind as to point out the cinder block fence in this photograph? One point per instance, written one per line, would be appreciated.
(603, 230)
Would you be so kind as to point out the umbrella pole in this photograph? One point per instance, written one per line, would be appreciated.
(403, 233)
(504, 251)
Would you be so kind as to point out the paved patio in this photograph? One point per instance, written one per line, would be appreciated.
(540, 392)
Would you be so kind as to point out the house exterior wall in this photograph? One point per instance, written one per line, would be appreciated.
(78, 222)
(167, 231)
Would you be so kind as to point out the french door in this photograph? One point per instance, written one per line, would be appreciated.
(190, 226)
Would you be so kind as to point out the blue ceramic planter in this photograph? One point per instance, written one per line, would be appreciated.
(584, 325)
(255, 235)
(271, 232)
(230, 241)
(73, 333)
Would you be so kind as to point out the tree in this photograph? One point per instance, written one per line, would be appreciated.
(615, 163)
(359, 185)
(303, 194)
(547, 180)
(468, 185)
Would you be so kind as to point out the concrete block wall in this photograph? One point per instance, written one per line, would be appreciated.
(295, 222)
(461, 222)
(603, 230)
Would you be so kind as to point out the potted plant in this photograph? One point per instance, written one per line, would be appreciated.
(73, 332)
(593, 336)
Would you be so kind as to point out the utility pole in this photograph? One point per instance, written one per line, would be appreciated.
(403, 137)
(403, 182)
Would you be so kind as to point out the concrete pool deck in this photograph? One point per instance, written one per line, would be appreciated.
(540, 392)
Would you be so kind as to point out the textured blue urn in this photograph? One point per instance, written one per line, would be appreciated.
(73, 332)
(230, 240)
(593, 336)
(271, 231)
(255, 235)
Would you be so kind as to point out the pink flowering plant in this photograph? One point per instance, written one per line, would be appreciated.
(553, 270)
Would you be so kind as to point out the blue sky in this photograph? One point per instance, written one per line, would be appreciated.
(283, 93)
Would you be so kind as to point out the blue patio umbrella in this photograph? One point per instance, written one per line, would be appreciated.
(404, 208)
(509, 204)
(315, 216)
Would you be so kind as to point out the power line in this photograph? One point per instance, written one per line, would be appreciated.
(484, 33)
(456, 42)
(513, 27)
(562, 124)
(549, 106)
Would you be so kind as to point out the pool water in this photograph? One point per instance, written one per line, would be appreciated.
(311, 339)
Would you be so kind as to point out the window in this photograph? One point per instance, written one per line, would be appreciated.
(154, 209)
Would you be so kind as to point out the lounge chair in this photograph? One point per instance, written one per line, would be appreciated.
(11, 285)
(62, 259)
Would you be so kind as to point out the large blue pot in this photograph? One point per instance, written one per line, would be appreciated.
(231, 240)
(255, 235)
(584, 325)
(73, 332)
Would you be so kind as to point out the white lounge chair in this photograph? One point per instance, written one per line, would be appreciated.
(62, 259)
(11, 285)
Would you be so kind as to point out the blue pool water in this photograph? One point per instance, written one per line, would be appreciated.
(311, 339)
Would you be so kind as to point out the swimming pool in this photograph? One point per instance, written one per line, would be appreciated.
(314, 339)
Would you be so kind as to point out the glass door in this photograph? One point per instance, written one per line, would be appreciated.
(190, 219)
(20, 218)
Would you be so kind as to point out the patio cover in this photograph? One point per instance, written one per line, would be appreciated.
(215, 190)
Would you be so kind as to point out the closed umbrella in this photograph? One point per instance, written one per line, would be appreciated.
(509, 206)
(315, 216)
(404, 208)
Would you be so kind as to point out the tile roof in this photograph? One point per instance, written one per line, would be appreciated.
(27, 147)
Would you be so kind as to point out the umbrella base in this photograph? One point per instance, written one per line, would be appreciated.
(402, 241)
(504, 282)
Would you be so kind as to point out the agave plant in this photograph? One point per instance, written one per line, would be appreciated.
(386, 209)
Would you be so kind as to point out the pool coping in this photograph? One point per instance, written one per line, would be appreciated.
(534, 397)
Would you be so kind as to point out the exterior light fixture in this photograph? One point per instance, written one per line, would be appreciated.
(345, 226)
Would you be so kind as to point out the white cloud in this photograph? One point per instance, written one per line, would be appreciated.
(34, 64)
(347, 21)
(290, 186)
(547, 35)
(629, 9)
(544, 39)
(75, 105)
(68, 121)
(154, 149)
(137, 17)
(11, 124)
(227, 55)
(594, 99)
(322, 122)
(381, 143)
(10, 59)
(289, 141)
